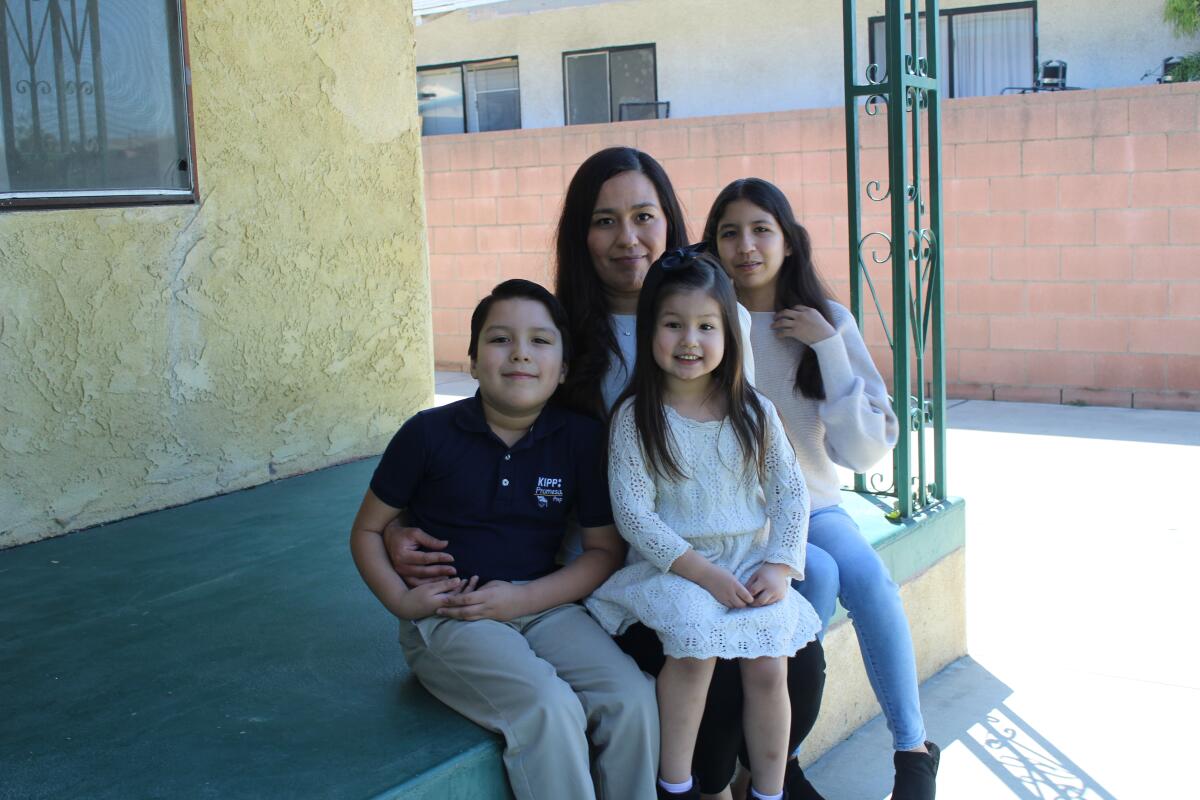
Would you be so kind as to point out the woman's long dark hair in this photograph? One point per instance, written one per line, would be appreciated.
(576, 283)
(798, 283)
(703, 272)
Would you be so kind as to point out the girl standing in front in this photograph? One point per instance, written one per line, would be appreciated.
(815, 368)
(698, 465)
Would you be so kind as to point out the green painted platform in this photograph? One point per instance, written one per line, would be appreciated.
(228, 649)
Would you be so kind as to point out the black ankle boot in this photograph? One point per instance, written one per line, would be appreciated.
(916, 774)
(796, 786)
(787, 795)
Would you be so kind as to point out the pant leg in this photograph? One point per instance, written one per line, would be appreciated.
(618, 699)
(821, 583)
(873, 600)
(486, 671)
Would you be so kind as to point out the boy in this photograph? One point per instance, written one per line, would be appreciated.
(498, 475)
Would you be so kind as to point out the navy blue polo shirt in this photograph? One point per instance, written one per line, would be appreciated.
(503, 510)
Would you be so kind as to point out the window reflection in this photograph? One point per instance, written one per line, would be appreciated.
(92, 97)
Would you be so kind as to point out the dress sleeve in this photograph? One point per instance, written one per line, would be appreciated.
(860, 426)
(787, 497)
(631, 487)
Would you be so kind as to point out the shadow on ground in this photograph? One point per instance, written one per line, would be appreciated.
(967, 715)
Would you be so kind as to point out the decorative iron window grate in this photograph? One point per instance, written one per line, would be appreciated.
(93, 103)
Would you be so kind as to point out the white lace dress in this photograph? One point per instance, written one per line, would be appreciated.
(720, 510)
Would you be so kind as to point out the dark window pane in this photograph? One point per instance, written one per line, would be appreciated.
(439, 101)
(494, 96)
(632, 78)
(92, 97)
(587, 89)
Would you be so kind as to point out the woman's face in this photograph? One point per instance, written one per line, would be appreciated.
(751, 246)
(627, 233)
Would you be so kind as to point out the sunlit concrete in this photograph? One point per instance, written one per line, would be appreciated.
(1083, 678)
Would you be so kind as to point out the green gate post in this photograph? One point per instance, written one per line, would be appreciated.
(909, 86)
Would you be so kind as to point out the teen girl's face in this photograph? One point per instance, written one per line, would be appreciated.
(519, 362)
(751, 246)
(689, 338)
(628, 232)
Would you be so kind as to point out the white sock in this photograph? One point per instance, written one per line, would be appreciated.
(678, 788)
(755, 793)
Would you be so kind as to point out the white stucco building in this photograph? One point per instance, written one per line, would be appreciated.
(495, 64)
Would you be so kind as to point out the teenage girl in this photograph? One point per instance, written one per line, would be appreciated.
(815, 368)
(699, 464)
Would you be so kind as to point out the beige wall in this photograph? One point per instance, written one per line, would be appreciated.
(1072, 228)
(152, 356)
(718, 57)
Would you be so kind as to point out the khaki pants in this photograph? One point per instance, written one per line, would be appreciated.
(549, 683)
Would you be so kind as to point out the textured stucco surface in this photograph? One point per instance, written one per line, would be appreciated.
(152, 356)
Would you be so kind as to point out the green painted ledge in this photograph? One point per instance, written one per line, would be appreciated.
(911, 547)
(227, 648)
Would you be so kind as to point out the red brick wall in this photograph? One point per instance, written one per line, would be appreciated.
(1071, 228)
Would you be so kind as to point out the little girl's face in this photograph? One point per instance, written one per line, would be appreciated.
(751, 246)
(689, 337)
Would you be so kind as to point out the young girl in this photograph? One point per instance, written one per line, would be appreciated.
(698, 465)
(815, 368)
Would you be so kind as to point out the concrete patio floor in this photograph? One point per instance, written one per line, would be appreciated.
(1083, 546)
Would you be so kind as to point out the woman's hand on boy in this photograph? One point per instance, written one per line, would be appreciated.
(768, 584)
(726, 588)
(498, 600)
(802, 323)
(414, 554)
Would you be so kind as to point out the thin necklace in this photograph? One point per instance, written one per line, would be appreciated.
(621, 328)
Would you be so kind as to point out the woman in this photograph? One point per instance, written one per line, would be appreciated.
(834, 405)
(619, 215)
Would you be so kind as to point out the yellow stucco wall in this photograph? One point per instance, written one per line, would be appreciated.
(151, 356)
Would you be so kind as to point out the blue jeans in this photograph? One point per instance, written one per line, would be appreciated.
(841, 564)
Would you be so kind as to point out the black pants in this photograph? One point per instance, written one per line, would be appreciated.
(720, 741)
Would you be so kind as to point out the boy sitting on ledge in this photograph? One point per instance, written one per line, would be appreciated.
(498, 475)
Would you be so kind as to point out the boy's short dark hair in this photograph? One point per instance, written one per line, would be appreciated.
(520, 289)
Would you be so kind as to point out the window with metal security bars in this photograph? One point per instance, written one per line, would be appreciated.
(469, 97)
(982, 50)
(597, 83)
(94, 106)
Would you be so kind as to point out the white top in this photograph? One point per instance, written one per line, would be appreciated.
(624, 327)
(721, 510)
(854, 426)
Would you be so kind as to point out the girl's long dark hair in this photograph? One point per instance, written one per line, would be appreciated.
(575, 280)
(704, 273)
(798, 283)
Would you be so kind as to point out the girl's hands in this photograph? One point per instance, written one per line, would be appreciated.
(498, 600)
(768, 584)
(802, 323)
(727, 589)
(426, 599)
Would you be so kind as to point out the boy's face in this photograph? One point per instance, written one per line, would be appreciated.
(519, 361)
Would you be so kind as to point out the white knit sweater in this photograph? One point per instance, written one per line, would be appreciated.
(854, 426)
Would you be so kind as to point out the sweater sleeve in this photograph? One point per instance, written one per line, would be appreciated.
(631, 487)
(860, 426)
(745, 322)
(786, 495)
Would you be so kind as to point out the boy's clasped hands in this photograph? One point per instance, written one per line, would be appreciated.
(443, 594)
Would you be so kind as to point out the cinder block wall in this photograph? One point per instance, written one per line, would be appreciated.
(1072, 228)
